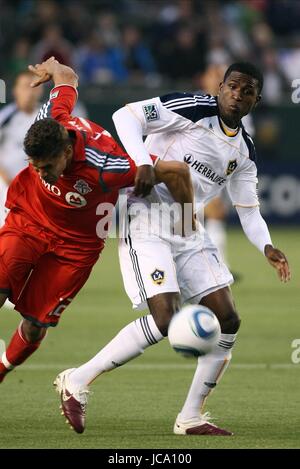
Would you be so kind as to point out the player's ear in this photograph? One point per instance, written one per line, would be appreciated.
(258, 98)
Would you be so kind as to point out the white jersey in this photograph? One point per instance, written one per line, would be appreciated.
(13, 127)
(186, 127)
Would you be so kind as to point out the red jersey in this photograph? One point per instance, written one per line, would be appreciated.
(98, 170)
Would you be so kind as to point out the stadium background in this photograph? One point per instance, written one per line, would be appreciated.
(126, 50)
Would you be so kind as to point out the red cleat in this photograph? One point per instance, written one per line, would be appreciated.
(199, 426)
(73, 405)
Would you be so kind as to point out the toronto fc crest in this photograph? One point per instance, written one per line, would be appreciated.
(82, 187)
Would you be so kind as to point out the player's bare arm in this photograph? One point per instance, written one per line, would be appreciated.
(144, 180)
(278, 260)
(176, 175)
(51, 69)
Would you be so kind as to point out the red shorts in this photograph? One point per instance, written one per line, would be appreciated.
(40, 273)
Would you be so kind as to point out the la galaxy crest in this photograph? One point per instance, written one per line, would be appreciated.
(232, 165)
(158, 276)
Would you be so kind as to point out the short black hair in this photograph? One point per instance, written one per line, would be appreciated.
(46, 138)
(247, 69)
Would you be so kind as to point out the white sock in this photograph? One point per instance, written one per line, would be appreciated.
(208, 373)
(216, 230)
(129, 343)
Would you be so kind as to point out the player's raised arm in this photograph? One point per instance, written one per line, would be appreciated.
(51, 69)
(63, 96)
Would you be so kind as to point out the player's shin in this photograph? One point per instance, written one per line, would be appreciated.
(129, 343)
(18, 350)
(209, 371)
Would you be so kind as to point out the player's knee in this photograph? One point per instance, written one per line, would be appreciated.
(230, 323)
(31, 332)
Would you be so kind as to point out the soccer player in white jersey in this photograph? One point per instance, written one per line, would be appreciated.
(206, 132)
(15, 120)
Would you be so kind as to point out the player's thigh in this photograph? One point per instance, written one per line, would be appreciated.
(52, 286)
(200, 272)
(18, 254)
(148, 269)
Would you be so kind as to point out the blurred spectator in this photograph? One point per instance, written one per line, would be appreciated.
(184, 58)
(137, 57)
(100, 64)
(20, 56)
(53, 44)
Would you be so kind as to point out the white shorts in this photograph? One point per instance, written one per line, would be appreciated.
(152, 265)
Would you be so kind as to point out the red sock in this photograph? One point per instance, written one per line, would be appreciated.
(18, 350)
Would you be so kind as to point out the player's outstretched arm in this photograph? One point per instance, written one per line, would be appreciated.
(257, 232)
(176, 175)
(51, 69)
(278, 260)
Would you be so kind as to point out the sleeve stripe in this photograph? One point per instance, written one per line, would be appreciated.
(44, 112)
(202, 98)
(174, 107)
(246, 206)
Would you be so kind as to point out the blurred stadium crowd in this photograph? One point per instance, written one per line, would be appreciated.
(154, 43)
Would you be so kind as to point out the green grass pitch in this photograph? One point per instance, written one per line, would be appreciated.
(135, 406)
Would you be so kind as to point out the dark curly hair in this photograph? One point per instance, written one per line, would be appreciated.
(45, 139)
(247, 68)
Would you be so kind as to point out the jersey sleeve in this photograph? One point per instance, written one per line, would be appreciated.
(60, 105)
(242, 187)
(172, 112)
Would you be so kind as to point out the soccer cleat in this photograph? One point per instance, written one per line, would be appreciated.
(199, 426)
(73, 405)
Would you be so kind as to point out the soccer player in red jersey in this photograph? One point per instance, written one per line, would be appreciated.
(49, 242)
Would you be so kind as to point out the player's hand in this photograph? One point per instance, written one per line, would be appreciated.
(278, 260)
(144, 180)
(42, 71)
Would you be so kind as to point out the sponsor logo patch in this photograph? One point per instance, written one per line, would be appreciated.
(82, 187)
(158, 277)
(188, 158)
(75, 200)
(232, 165)
(151, 112)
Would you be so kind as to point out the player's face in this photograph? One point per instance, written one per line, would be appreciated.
(26, 97)
(238, 95)
(52, 168)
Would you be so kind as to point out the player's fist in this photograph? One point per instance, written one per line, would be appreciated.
(278, 260)
(144, 180)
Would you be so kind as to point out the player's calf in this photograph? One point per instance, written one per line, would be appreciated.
(25, 341)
